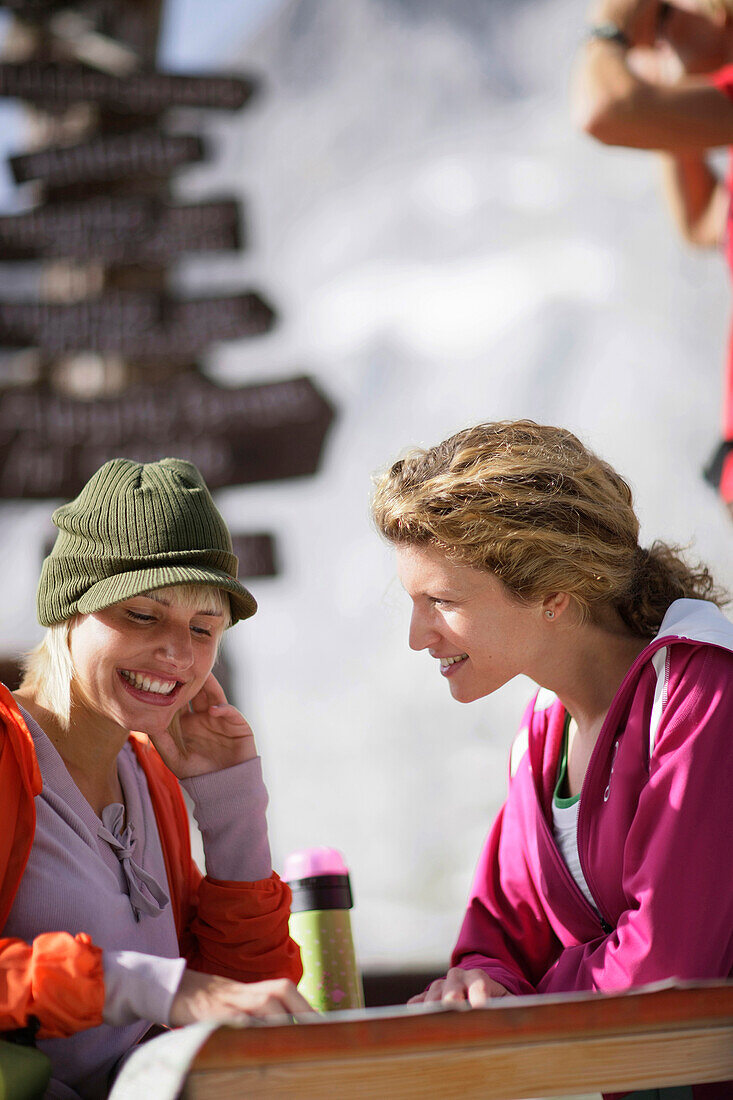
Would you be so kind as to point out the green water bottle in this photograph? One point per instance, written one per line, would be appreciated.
(321, 926)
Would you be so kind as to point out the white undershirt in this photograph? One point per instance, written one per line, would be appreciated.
(565, 830)
(565, 824)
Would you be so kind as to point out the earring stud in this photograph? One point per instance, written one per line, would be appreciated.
(549, 614)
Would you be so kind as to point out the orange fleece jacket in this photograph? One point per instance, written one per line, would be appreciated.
(236, 929)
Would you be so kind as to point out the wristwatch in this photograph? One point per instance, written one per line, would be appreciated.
(609, 32)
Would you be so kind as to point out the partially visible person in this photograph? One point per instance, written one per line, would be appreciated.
(659, 76)
(107, 925)
(608, 866)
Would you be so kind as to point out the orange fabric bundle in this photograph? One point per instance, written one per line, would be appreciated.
(58, 979)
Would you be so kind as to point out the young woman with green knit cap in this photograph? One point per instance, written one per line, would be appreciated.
(106, 924)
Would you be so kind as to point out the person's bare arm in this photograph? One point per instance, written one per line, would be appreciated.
(697, 200)
(612, 103)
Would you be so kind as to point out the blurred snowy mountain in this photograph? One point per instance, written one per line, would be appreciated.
(443, 249)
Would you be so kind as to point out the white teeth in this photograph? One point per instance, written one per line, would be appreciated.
(446, 661)
(144, 683)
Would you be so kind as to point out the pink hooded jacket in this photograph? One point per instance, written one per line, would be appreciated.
(655, 827)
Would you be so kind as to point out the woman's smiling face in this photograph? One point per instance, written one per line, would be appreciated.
(467, 619)
(138, 662)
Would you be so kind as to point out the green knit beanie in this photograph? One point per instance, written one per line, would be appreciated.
(133, 528)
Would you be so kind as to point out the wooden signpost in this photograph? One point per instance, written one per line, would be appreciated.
(50, 444)
(103, 220)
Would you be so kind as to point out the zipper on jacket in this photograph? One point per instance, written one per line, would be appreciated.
(593, 908)
(615, 719)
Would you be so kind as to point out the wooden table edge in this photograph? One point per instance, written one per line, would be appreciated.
(692, 1006)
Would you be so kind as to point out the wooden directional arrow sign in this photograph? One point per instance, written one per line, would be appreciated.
(50, 445)
(108, 157)
(120, 230)
(32, 7)
(256, 555)
(134, 325)
(56, 83)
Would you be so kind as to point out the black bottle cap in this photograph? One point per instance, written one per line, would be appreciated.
(321, 892)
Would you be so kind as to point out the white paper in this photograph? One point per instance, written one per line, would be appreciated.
(158, 1068)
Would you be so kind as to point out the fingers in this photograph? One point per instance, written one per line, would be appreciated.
(222, 721)
(715, 10)
(461, 986)
(212, 700)
(209, 997)
(211, 694)
(279, 997)
(455, 987)
(434, 992)
(228, 713)
(477, 991)
(270, 1000)
(294, 1002)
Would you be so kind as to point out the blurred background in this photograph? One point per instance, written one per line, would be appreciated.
(437, 247)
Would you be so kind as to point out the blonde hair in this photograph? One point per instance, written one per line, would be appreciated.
(48, 670)
(532, 505)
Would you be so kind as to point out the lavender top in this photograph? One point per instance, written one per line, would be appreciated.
(87, 874)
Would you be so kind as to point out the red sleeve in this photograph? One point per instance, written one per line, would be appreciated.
(58, 979)
(236, 929)
(240, 930)
(723, 80)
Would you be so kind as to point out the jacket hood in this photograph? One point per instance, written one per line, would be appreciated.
(696, 621)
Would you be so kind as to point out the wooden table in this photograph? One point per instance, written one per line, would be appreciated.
(516, 1047)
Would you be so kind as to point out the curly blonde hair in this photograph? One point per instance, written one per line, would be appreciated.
(532, 505)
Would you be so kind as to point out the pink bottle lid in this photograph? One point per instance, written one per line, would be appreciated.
(308, 862)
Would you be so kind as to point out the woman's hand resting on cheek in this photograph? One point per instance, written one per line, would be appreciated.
(210, 997)
(213, 735)
(458, 985)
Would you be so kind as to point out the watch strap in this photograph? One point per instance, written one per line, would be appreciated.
(609, 32)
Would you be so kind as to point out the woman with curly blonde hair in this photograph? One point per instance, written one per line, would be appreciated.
(605, 868)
